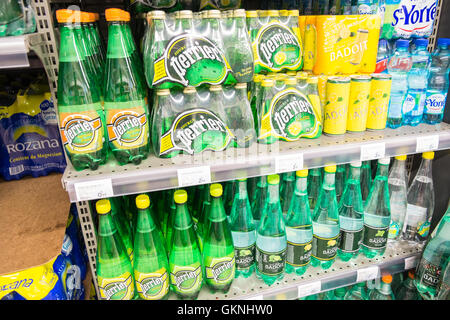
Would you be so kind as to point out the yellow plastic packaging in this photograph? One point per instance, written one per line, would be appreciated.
(345, 44)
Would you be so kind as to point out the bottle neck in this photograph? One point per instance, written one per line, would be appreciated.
(274, 194)
(382, 170)
(217, 211)
(242, 190)
(385, 288)
(182, 219)
(329, 179)
(117, 41)
(301, 185)
(145, 222)
(107, 226)
(69, 51)
(354, 174)
(425, 168)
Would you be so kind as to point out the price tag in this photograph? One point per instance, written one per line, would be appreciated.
(309, 289)
(367, 273)
(411, 262)
(194, 176)
(91, 190)
(427, 143)
(258, 297)
(373, 151)
(289, 163)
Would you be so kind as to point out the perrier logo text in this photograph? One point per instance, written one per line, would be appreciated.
(194, 131)
(277, 47)
(191, 60)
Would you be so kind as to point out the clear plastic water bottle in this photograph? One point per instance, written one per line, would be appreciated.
(385, 290)
(417, 84)
(420, 207)
(397, 182)
(399, 65)
(407, 289)
(436, 94)
(382, 56)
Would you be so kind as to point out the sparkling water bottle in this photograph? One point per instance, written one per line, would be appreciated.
(417, 84)
(385, 290)
(398, 67)
(438, 82)
(382, 56)
(377, 213)
(398, 185)
(420, 207)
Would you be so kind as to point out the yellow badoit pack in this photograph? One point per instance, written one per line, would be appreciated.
(345, 44)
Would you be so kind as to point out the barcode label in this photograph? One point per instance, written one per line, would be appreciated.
(91, 190)
(194, 176)
(289, 163)
(309, 289)
(16, 170)
(367, 273)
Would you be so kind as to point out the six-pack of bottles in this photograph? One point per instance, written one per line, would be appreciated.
(177, 240)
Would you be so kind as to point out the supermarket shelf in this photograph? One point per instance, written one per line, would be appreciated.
(157, 174)
(399, 256)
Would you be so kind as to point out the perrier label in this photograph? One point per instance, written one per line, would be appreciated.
(289, 117)
(120, 288)
(194, 131)
(276, 47)
(191, 60)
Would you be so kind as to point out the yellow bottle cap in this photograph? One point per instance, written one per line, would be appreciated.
(428, 155)
(290, 81)
(267, 83)
(142, 201)
(312, 80)
(273, 13)
(284, 13)
(302, 173)
(294, 12)
(216, 190)
(273, 179)
(402, 157)
(251, 14)
(330, 169)
(103, 206)
(258, 77)
(180, 196)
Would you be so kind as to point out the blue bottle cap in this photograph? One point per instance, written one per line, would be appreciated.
(443, 42)
(421, 42)
(402, 43)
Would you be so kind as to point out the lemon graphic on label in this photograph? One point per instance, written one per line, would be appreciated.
(331, 243)
(280, 57)
(308, 247)
(294, 128)
(344, 33)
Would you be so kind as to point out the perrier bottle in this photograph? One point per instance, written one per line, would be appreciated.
(125, 98)
(271, 237)
(325, 222)
(81, 119)
(218, 249)
(150, 265)
(114, 270)
(243, 231)
(185, 266)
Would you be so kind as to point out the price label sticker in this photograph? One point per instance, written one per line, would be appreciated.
(367, 273)
(411, 262)
(194, 176)
(91, 190)
(427, 143)
(289, 163)
(309, 289)
(373, 151)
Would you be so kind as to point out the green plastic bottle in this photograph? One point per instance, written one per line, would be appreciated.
(299, 227)
(186, 276)
(259, 199)
(366, 179)
(377, 213)
(271, 236)
(340, 181)
(150, 266)
(314, 184)
(287, 187)
(337, 294)
(384, 292)
(114, 271)
(243, 231)
(218, 248)
(325, 222)
(12, 22)
(351, 212)
(82, 122)
(125, 99)
(357, 292)
(123, 227)
(90, 40)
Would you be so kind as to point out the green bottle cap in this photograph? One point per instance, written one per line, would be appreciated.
(216, 190)
(242, 179)
(103, 206)
(273, 179)
(142, 201)
(180, 196)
